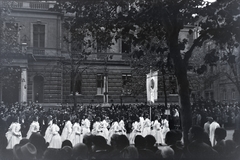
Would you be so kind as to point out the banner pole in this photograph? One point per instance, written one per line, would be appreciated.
(150, 94)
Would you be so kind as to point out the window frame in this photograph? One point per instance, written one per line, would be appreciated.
(127, 79)
(101, 82)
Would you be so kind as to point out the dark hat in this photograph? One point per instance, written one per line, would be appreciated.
(27, 151)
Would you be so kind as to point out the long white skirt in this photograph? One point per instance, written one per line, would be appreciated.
(146, 131)
(12, 140)
(76, 138)
(55, 142)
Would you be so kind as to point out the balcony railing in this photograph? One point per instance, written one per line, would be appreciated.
(29, 4)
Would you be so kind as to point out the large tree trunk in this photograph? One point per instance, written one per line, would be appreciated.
(183, 86)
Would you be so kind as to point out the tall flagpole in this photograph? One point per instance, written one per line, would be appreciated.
(150, 98)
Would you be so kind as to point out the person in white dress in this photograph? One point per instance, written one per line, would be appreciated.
(13, 134)
(67, 130)
(212, 129)
(157, 131)
(96, 127)
(122, 129)
(114, 129)
(47, 135)
(34, 127)
(141, 121)
(85, 126)
(55, 139)
(165, 127)
(104, 129)
(76, 135)
(136, 130)
(146, 127)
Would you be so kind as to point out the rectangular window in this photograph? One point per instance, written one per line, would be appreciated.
(100, 83)
(126, 83)
(78, 85)
(38, 36)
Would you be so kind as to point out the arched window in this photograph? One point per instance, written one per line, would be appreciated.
(38, 85)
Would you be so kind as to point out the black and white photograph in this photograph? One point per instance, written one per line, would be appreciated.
(120, 80)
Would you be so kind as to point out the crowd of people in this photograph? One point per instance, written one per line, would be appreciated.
(29, 131)
(226, 114)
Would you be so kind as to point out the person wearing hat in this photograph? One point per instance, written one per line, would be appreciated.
(25, 152)
(13, 134)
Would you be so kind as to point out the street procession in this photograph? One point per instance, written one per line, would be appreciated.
(120, 79)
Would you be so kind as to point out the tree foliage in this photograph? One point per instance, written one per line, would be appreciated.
(139, 22)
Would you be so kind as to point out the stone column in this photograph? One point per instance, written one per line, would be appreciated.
(23, 96)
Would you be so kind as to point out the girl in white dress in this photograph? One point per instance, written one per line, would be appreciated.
(136, 130)
(104, 129)
(85, 125)
(96, 127)
(114, 129)
(48, 131)
(55, 140)
(146, 127)
(165, 127)
(76, 136)
(157, 131)
(13, 134)
(122, 129)
(34, 127)
(67, 130)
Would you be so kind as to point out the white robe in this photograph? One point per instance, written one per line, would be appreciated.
(96, 128)
(48, 131)
(103, 129)
(136, 130)
(212, 129)
(113, 130)
(13, 135)
(76, 136)
(85, 127)
(122, 129)
(55, 140)
(67, 130)
(146, 127)
(157, 132)
(165, 129)
(34, 127)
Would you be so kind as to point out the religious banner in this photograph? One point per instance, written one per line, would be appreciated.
(152, 86)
